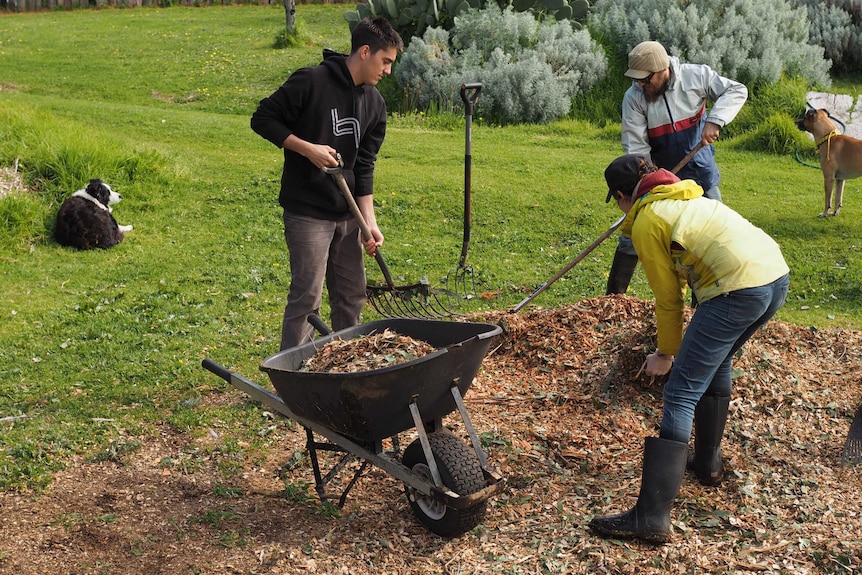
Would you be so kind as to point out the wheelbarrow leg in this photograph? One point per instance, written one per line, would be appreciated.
(471, 431)
(426, 445)
(468, 425)
(321, 481)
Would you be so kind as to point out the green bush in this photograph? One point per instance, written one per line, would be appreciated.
(777, 134)
(752, 41)
(836, 25)
(413, 17)
(531, 70)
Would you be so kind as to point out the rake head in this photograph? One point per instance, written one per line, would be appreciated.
(417, 300)
(852, 453)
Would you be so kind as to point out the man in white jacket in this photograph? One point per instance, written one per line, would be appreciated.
(665, 116)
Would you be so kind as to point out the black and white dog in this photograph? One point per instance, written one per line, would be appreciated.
(85, 221)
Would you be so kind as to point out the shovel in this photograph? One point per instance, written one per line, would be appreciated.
(596, 243)
(417, 300)
(853, 447)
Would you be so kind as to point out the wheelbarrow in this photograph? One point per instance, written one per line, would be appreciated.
(447, 482)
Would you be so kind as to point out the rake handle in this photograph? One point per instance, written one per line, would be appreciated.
(598, 240)
(570, 265)
(366, 231)
(688, 157)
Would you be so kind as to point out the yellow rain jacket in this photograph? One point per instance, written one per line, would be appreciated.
(684, 238)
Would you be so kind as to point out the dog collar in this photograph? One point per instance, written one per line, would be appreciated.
(828, 140)
(827, 137)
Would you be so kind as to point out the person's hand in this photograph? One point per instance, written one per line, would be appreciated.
(321, 155)
(710, 133)
(658, 364)
(375, 242)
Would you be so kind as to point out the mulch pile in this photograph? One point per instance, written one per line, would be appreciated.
(562, 412)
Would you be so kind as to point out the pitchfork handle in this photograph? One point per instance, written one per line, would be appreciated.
(469, 100)
(366, 231)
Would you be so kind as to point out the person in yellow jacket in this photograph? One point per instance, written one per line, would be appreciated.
(740, 279)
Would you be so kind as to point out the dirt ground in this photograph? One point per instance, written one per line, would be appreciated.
(563, 413)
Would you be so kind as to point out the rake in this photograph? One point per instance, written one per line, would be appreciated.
(418, 300)
(596, 242)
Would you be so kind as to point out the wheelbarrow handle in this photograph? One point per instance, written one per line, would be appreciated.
(318, 324)
(216, 368)
(366, 231)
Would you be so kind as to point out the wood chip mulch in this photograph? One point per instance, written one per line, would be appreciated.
(367, 352)
(562, 416)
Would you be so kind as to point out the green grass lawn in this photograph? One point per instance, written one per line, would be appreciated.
(98, 346)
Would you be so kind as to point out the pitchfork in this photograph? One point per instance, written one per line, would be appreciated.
(463, 283)
(418, 300)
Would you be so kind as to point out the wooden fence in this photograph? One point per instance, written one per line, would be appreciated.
(35, 5)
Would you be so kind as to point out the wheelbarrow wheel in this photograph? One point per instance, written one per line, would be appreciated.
(460, 471)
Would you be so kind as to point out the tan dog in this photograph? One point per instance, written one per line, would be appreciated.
(840, 156)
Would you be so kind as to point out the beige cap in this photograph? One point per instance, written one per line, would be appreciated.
(646, 58)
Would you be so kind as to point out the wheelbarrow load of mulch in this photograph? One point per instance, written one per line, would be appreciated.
(367, 352)
(362, 385)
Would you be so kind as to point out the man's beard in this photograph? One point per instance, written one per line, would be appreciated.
(653, 96)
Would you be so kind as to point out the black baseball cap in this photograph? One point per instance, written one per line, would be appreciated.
(623, 174)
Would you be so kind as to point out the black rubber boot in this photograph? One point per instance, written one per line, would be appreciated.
(649, 519)
(622, 270)
(710, 417)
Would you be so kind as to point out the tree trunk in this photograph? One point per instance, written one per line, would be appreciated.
(290, 15)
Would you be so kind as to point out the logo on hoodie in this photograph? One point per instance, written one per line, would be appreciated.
(345, 126)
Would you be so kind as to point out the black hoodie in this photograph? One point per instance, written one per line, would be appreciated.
(321, 105)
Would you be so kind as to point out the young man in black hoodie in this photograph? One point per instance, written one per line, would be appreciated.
(330, 108)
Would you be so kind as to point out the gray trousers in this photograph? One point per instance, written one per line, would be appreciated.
(322, 251)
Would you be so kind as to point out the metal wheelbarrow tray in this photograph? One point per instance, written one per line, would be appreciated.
(447, 482)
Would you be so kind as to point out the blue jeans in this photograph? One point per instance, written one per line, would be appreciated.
(322, 251)
(718, 329)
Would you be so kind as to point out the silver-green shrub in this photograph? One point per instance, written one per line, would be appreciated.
(836, 25)
(753, 41)
(529, 70)
(413, 17)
